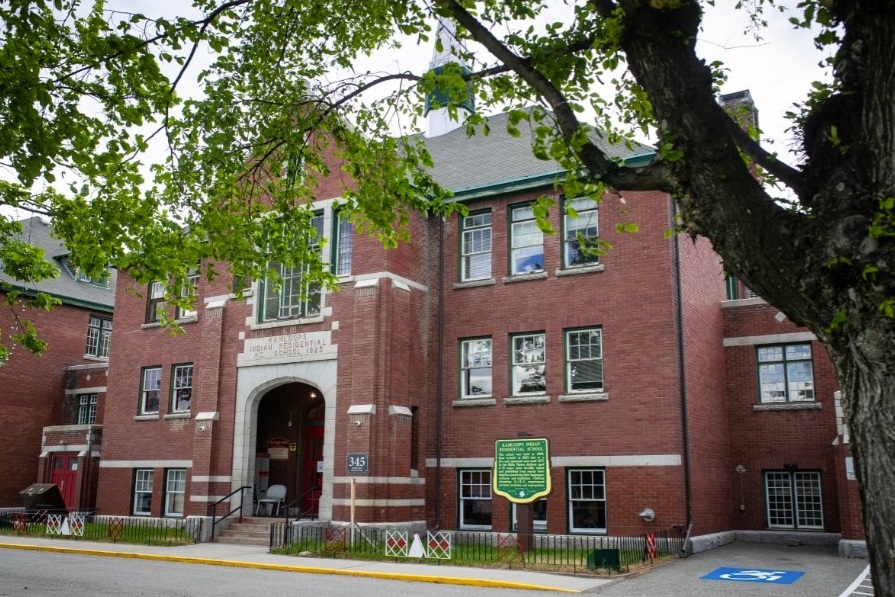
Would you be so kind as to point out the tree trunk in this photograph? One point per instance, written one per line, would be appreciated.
(865, 364)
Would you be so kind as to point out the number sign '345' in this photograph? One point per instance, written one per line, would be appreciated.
(521, 469)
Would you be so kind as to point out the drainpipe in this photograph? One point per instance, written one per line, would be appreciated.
(439, 375)
(682, 376)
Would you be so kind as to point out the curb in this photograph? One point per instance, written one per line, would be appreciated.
(445, 580)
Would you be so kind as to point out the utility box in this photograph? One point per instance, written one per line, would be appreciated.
(43, 496)
(604, 558)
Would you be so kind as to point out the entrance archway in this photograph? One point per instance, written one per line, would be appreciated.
(289, 446)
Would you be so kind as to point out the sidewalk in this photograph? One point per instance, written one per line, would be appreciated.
(247, 556)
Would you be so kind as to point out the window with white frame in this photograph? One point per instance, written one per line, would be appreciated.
(584, 360)
(175, 490)
(150, 390)
(189, 290)
(475, 368)
(475, 499)
(182, 388)
(526, 241)
(529, 364)
(343, 244)
(785, 373)
(86, 409)
(155, 303)
(295, 297)
(143, 491)
(793, 500)
(99, 336)
(580, 232)
(475, 263)
(587, 500)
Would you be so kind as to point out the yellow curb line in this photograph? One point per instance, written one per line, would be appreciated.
(445, 580)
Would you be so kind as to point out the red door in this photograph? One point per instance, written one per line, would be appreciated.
(313, 469)
(64, 475)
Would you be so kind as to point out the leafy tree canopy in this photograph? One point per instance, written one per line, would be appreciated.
(85, 90)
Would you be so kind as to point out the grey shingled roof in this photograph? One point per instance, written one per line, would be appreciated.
(464, 163)
(37, 232)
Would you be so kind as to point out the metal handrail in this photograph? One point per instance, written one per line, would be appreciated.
(214, 508)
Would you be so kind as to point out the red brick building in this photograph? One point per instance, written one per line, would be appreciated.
(51, 405)
(656, 389)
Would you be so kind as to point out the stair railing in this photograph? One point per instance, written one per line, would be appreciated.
(214, 508)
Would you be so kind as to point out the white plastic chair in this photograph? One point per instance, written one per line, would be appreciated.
(272, 500)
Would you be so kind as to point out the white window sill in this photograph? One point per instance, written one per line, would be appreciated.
(787, 406)
(584, 397)
(345, 279)
(146, 417)
(188, 319)
(539, 399)
(92, 357)
(474, 402)
(184, 415)
(281, 323)
(583, 269)
(473, 284)
(541, 275)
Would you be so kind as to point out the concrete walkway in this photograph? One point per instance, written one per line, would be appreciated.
(247, 556)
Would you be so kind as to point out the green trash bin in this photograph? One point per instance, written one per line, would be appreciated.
(604, 558)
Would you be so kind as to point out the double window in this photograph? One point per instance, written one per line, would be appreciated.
(143, 492)
(182, 390)
(785, 373)
(175, 491)
(529, 364)
(99, 336)
(584, 360)
(475, 499)
(476, 247)
(587, 500)
(150, 390)
(793, 500)
(475, 368)
(526, 241)
(295, 296)
(86, 409)
(580, 232)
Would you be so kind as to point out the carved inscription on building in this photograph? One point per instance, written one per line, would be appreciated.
(305, 346)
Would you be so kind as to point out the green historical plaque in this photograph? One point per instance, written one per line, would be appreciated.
(521, 469)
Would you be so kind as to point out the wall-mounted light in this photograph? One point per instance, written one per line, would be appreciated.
(648, 515)
(289, 424)
(313, 394)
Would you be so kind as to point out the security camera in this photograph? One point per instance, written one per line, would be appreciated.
(357, 423)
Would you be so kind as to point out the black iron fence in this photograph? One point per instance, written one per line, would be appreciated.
(92, 527)
(573, 553)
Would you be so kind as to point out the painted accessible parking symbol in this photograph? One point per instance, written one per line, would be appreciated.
(779, 577)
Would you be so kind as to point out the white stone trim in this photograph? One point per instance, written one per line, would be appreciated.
(770, 339)
(393, 277)
(146, 464)
(211, 478)
(563, 461)
(379, 480)
(91, 390)
(612, 461)
(362, 409)
(383, 503)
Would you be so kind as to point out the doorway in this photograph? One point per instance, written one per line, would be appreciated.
(313, 470)
(65, 476)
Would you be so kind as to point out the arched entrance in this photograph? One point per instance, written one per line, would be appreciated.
(289, 446)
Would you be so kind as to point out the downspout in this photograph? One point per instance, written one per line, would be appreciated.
(682, 377)
(439, 375)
